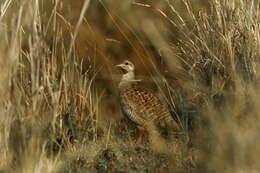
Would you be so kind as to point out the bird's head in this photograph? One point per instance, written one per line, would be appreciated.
(128, 73)
(126, 66)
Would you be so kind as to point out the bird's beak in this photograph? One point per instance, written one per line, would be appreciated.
(119, 65)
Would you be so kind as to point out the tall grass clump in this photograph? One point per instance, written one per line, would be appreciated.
(224, 51)
(45, 90)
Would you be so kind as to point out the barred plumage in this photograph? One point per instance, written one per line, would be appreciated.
(139, 104)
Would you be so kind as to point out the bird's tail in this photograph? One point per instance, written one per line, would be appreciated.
(168, 127)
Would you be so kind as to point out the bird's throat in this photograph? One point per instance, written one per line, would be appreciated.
(124, 71)
(127, 78)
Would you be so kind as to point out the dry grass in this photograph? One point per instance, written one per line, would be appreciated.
(59, 110)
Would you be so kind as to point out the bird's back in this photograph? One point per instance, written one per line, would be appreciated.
(142, 106)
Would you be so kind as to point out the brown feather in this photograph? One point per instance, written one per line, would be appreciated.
(142, 106)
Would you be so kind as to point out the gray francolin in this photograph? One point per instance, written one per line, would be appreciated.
(140, 104)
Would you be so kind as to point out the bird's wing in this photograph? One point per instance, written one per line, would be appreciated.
(145, 104)
(147, 108)
(128, 107)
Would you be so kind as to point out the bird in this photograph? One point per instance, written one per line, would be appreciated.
(140, 104)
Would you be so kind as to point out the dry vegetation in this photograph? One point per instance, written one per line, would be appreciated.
(59, 109)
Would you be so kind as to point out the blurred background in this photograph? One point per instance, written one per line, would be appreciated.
(59, 108)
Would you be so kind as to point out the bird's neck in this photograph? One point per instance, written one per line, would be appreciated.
(127, 79)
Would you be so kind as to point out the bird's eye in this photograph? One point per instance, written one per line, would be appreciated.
(126, 63)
